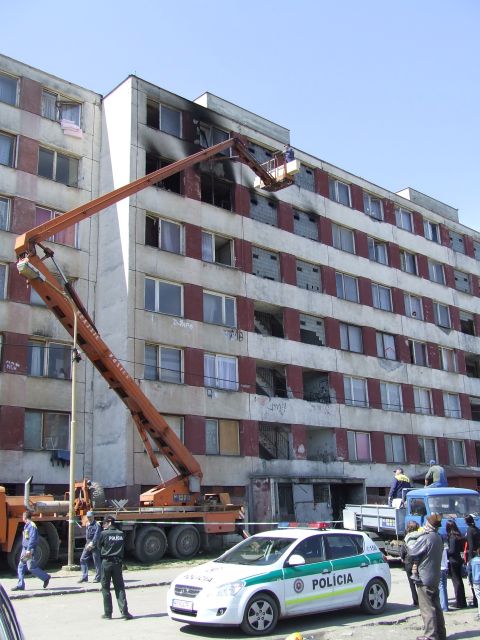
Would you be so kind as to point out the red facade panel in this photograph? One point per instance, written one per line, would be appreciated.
(407, 398)
(23, 215)
(418, 223)
(374, 397)
(369, 336)
(455, 318)
(461, 364)
(12, 421)
(469, 248)
(321, 182)
(437, 402)
(243, 255)
(291, 324)
(365, 291)
(394, 255)
(470, 453)
(465, 407)
(328, 280)
(27, 158)
(288, 268)
(449, 276)
(332, 333)
(241, 196)
(249, 438)
(422, 265)
(357, 197)
(325, 230)
(193, 366)
(193, 241)
(412, 449)
(389, 211)
(299, 441)
(475, 285)
(245, 314)
(17, 286)
(433, 356)
(335, 381)
(402, 349)
(191, 184)
(444, 235)
(31, 95)
(188, 128)
(361, 244)
(442, 450)
(294, 380)
(15, 353)
(247, 374)
(428, 315)
(377, 443)
(193, 302)
(398, 301)
(285, 216)
(341, 443)
(194, 434)
(476, 320)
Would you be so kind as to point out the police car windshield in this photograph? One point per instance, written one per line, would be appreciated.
(455, 506)
(257, 551)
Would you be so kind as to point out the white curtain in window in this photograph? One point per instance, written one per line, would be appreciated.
(70, 112)
(49, 105)
(3, 278)
(211, 437)
(209, 370)
(4, 206)
(170, 236)
(171, 360)
(226, 373)
(212, 308)
(207, 247)
(36, 358)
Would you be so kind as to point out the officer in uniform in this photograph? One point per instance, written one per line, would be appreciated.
(111, 544)
(28, 557)
(91, 549)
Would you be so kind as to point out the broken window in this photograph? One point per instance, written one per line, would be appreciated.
(312, 330)
(163, 234)
(46, 430)
(8, 89)
(57, 166)
(7, 149)
(467, 323)
(219, 309)
(163, 297)
(153, 163)
(274, 443)
(343, 238)
(222, 437)
(305, 224)
(316, 387)
(215, 191)
(263, 209)
(163, 363)
(208, 136)
(308, 276)
(268, 322)
(271, 382)
(265, 264)
(217, 249)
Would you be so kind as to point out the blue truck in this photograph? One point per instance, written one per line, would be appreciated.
(387, 524)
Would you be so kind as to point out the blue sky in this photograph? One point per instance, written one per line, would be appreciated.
(386, 89)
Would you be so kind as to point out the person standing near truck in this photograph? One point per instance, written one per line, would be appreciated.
(456, 543)
(473, 543)
(91, 550)
(427, 549)
(435, 476)
(400, 482)
(28, 557)
(112, 547)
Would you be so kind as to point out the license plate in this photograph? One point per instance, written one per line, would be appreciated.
(186, 605)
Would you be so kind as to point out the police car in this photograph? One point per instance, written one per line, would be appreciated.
(282, 573)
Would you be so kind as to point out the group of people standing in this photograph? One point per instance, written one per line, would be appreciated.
(106, 549)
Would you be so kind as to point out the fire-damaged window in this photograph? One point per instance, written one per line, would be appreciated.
(208, 136)
(305, 224)
(467, 323)
(168, 120)
(312, 330)
(163, 234)
(305, 178)
(46, 430)
(316, 387)
(154, 162)
(215, 191)
(265, 264)
(222, 437)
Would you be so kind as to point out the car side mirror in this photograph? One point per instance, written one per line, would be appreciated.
(295, 560)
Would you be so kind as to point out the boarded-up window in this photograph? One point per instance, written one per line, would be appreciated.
(305, 224)
(263, 209)
(456, 241)
(308, 276)
(265, 264)
(222, 437)
(462, 281)
(312, 330)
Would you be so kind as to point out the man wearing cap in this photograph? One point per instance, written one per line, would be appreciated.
(427, 551)
(91, 549)
(435, 476)
(112, 546)
(400, 482)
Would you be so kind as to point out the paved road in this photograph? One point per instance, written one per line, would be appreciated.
(67, 609)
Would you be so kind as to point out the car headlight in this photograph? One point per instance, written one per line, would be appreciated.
(230, 589)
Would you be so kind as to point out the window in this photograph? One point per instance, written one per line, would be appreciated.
(382, 297)
(428, 449)
(222, 437)
(172, 183)
(377, 251)
(67, 236)
(219, 309)
(418, 352)
(312, 330)
(394, 448)
(413, 307)
(403, 219)
(8, 89)
(49, 359)
(386, 346)
(373, 206)
(476, 250)
(351, 338)
(308, 276)
(359, 446)
(57, 108)
(7, 149)
(467, 323)
(355, 390)
(265, 264)
(208, 136)
(343, 238)
(347, 287)
(339, 191)
(462, 281)
(456, 452)
(46, 430)
(456, 241)
(442, 315)
(304, 179)
(448, 360)
(391, 396)
(220, 372)
(215, 191)
(408, 262)
(451, 405)
(217, 249)
(423, 401)
(263, 209)
(305, 224)
(4, 213)
(163, 297)
(431, 231)
(163, 234)
(163, 363)
(58, 167)
(436, 272)
(3, 281)
(168, 120)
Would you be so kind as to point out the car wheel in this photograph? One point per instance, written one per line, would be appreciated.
(260, 616)
(374, 597)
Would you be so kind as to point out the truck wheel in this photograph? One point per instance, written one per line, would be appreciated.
(212, 543)
(150, 545)
(43, 553)
(374, 597)
(97, 496)
(183, 541)
(260, 616)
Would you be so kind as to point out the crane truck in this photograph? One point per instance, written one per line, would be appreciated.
(174, 514)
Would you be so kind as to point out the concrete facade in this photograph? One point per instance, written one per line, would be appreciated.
(292, 421)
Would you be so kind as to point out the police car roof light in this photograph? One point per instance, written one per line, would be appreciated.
(303, 525)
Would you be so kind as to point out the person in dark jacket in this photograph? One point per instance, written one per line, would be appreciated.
(29, 556)
(112, 545)
(473, 543)
(456, 543)
(408, 561)
(400, 482)
(91, 550)
(427, 549)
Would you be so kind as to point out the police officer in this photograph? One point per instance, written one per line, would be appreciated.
(28, 557)
(111, 544)
(91, 549)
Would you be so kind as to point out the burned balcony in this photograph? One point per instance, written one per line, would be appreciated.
(173, 183)
(316, 387)
(268, 321)
(274, 442)
(271, 382)
(472, 365)
(321, 445)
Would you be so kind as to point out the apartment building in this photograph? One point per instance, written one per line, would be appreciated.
(302, 344)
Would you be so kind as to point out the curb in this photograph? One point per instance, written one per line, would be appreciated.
(75, 590)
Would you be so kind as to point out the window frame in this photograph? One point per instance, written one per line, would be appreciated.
(60, 103)
(213, 246)
(380, 336)
(427, 455)
(368, 198)
(352, 440)
(377, 299)
(56, 155)
(343, 238)
(8, 76)
(224, 298)
(333, 190)
(46, 345)
(158, 282)
(442, 359)
(437, 307)
(419, 398)
(431, 231)
(13, 150)
(158, 363)
(44, 446)
(400, 215)
(340, 274)
(220, 451)
(433, 267)
(62, 236)
(405, 258)
(352, 401)
(448, 411)
(346, 337)
(412, 313)
(8, 209)
(159, 220)
(218, 357)
(386, 390)
(4, 289)
(413, 346)
(373, 246)
(452, 453)
(391, 453)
